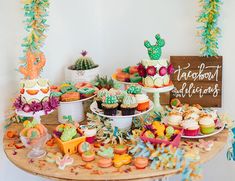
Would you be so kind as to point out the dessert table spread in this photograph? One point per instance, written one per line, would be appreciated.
(78, 171)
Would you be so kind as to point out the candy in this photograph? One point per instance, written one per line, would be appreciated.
(52, 157)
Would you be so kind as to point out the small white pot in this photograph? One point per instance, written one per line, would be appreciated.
(81, 75)
(73, 109)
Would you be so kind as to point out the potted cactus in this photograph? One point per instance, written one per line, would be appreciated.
(84, 69)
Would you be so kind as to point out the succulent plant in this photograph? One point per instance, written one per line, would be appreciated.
(104, 82)
(84, 62)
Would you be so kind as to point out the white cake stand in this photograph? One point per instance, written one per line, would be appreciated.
(122, 122)
(36, 116)
(156, 94)
(74, 109)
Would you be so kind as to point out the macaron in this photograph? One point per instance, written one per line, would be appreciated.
(104, 162)
(120, 149)
(83, 147)
(141, 162)
(88, 156)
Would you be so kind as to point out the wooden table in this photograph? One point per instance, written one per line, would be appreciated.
(77, 172)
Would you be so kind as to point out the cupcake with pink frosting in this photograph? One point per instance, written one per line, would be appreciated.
(191, 127)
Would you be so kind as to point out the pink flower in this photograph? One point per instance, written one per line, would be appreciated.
(151, 70)
(26, 108)
(162, 71)
(170, 69)
(142, 70)
(36, 106)
(18, 103)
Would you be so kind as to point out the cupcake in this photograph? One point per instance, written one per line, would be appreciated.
(109, 105)
(141, 162)
(100, 94)
(142, 101)
(86, 92)
(90, 134)
(134, 90)
(174, 118)
(88, 156)
(129, 105)
(120, 149)
(189, 114)
(119, 94)
(207, 124)
(191, 127)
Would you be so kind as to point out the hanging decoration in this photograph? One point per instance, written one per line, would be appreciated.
(33, 60)
(209, 30)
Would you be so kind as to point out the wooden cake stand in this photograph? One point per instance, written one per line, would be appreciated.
(77, 171)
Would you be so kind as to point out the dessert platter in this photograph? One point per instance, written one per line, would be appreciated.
(71, 97)
(196, 121)
(123, 136)
(121, 106)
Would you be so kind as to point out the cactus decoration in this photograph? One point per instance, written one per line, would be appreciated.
(155, 51)
(84, 62)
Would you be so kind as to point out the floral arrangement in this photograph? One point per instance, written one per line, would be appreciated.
(34, 106)
(209, 30)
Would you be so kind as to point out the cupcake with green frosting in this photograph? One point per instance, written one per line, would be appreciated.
(100, 94)
(110, 104)
(128, 105)
(134, 90)
(119, 94)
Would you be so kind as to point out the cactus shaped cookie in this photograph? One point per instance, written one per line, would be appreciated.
(155, 51)
(34, 65)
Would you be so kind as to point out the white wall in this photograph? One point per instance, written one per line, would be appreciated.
(113, 32)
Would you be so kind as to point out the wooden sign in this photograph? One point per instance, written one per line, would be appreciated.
(197, 80)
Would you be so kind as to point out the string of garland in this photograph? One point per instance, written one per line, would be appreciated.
(209, 30)
(36, 12)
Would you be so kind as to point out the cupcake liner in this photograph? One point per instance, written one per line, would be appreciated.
(110, 111)
(128, 111)
(188, 132)
(143, 106)
(99, 104)
(207, 130)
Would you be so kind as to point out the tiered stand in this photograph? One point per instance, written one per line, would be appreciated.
(122, 122)
(156, 95)
(36, 116)
(74, 109)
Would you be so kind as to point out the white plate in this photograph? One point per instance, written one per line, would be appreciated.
(205, 135)
(100, 112)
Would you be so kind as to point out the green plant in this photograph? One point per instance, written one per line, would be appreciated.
(84, 62)
(105, 82)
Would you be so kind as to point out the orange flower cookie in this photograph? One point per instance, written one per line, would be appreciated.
(120, 160)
